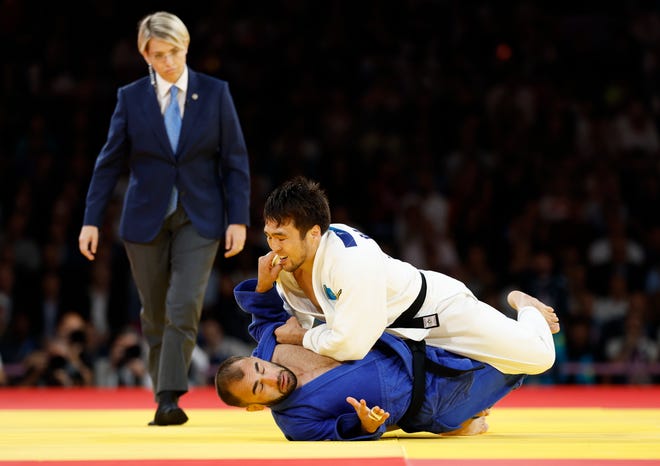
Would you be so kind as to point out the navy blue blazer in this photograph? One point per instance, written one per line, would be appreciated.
(210, 167)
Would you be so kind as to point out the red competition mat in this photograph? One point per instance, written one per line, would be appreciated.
(206, 398)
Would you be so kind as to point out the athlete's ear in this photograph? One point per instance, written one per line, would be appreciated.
(255, 407)
(315, 231)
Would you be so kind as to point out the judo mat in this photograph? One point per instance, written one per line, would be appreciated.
(535, 425)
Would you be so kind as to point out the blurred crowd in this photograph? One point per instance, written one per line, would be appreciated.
(510, 144)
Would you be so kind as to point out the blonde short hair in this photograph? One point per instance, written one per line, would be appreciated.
(164, 26)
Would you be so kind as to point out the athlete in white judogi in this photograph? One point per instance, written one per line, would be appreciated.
(337, 276)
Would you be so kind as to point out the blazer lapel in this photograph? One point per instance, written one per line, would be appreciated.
(154, 118)
(191, 112)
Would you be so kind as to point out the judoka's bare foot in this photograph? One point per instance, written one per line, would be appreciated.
(518, 299)
(475, 426)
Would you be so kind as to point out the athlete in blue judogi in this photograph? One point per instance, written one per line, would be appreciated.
(313, 397)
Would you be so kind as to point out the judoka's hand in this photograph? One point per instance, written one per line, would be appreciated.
(291, 332)
(371, 419)
(268, 269)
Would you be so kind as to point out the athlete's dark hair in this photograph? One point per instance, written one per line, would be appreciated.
(300, 200)
(227, 373)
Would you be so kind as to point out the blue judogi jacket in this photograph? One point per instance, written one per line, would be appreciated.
(318, 410)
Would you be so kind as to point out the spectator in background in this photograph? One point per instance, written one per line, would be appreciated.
(544, 280)
(580, 351)
(635, 128)
(7, 280)
(632, 348)
(616, 254)
(5, 315)
(420, 244)
(50, 307)
(218, 345)
(65, 361)
(3, 376)
(127, 360)
(19, 343)
(610, 310)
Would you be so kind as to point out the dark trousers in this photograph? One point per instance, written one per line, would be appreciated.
(171, 274)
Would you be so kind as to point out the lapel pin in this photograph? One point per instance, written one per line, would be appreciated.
(195, 96)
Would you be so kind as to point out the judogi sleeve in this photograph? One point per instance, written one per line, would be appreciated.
(357, 280)
(266, 308)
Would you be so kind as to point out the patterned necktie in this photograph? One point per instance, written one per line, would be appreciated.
(172, 118)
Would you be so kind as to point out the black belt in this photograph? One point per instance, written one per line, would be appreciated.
(420, 365)
(407, 319)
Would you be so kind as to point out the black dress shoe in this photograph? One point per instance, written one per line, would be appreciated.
(168, 413)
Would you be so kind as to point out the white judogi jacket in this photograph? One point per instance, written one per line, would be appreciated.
(361, 290)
